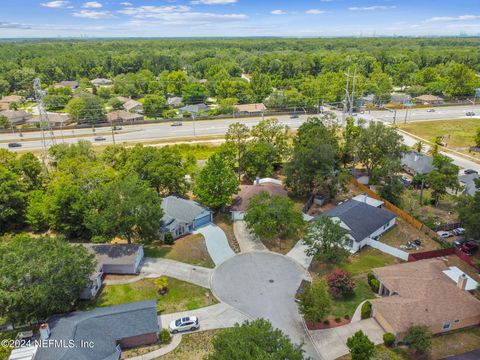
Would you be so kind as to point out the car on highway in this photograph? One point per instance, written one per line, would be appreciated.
(470, 171)
(14, 145)
(176, 123)
(100, 138)
(188, 323)
(294, 116)
(470, 113)
(431, 110)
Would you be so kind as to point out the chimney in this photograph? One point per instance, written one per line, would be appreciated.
(462, 281)
(257, 181)
(44, 331)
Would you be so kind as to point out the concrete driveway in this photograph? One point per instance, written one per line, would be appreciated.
(217, 243)
(217, 316)
(331, 343)
(298, 254)
(154, 267)
(263, 285)
(246, 240)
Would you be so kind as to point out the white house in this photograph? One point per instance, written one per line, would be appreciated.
(363, 220)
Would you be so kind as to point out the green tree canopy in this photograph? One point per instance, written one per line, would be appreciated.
(419, 339)
(444, 176)
(12, 199)
(87, 108)
(361, 347)
(315, 302)
(36, 282)
(154, 105)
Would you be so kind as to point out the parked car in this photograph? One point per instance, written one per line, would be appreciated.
(184, 324)
(294, 116)
(14, 145)
(100, 138)
(460, 241)
(444, 234)
(469, 248)
(470, 171)
(458, 231)
(176, 123)
(470, 113)
(431, 110)
(116, 127)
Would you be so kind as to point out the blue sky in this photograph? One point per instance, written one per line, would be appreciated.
(302, 18)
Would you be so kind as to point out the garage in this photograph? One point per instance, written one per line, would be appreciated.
(202, 220)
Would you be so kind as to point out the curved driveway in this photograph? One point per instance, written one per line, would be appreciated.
(263, 285)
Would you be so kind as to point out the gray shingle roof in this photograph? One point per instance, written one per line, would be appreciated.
(194, 109)
(468, 181)
(362, 219)
(119, 254)
(104, 326)
(176, 208)
(417, 162)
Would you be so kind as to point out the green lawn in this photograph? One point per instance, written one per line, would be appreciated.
(181, 296)
(348, 306)
(462, 132)
(198, 151)
(367, 259)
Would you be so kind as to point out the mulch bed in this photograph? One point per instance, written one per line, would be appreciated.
(322, 326)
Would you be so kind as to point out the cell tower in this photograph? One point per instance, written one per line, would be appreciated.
(45, 124)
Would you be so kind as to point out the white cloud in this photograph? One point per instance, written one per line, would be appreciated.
(126, 4)
(213, 2)
(314, 12)
(92, 14)
(453, 18)
(278, 12)
(179, 14)
(56, 4)
(92, 5)
(371, 8)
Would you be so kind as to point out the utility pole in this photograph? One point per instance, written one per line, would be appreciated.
(349, 96)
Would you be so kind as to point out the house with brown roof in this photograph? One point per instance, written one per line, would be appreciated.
(122, 116)
(425, 292)
(67, 83)
(133, 106)
(242, 199)
(429, 100)
(250, 109)
(6, 101)
(55, 120)
(16, 117)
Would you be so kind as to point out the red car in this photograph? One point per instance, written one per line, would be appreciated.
(469, 248)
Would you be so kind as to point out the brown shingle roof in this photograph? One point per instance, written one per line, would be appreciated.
(123, 116)
(426, 296)
(428, 98)
(251, 108)
(248, 191)
(11, 98)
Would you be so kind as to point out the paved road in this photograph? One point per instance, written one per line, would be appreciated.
(444, 112)
(263, 285)
(141, 133)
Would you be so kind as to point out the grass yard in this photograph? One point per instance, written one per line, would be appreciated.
(455, 343)
(181, 296)
(280, 246)
(461, 132)
(138, 351)
(342, 307)
(189, 249)
(194, 346)
(198, 151)
(224, 221)
(367, 259)
(403, 232)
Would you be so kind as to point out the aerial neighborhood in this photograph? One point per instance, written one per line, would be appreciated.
(240, 198)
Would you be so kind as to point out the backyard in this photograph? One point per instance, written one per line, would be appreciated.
(190, 249)
(181, 295)
(403, 232)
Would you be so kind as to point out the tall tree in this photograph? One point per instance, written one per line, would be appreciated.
(254, 340)
(273, 132)
(315, 302)
(261, 86)
(154, 105)
(444, 176)
(12, 200)
(36, 282)
(86, 109)
(469, 212)
(216, 183)
(258, 159)
(238, 134)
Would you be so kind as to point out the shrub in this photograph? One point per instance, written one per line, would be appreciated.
(347, 317)
(326, 322)
(97, 239)
(168, 238)
(338, 319)
(366, 310)
(165, 337)
(388, 339)
(315, 302)
(419, 339)
(340, 283)
(370, 277)
(375, 285)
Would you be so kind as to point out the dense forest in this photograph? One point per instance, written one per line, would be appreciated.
(285, 72)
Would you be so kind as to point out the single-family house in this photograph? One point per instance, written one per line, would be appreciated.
(54, 119)
(104, 332)
(468, 183)
(101, 82)
(122, 116)
(250, 109)
(7, 101)
(429, 100)
(414, 163)
(133, 106)
(424, 292)
(67, 83)
(364, 221)
(183, 216)
(123, 99)
(174, 101)
(242, 199)
(16, 117)
(195, 109)
(112, 259)
(400, 98)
